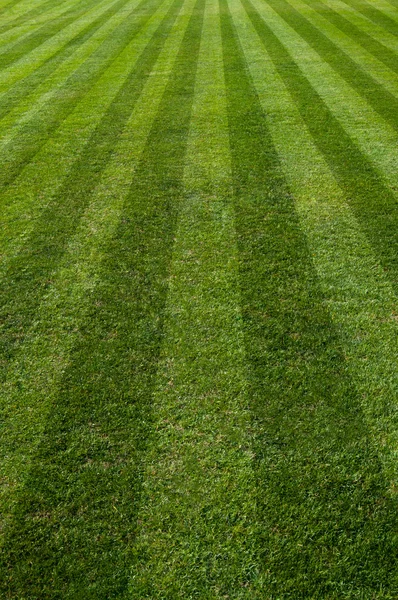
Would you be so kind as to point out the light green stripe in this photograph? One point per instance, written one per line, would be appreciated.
(21, 10)
(365, 60)
(44, 11)
(31, 61)
(359, 297)
(197, 521)
(381, 5)
(41, 92)
(375, 138)
(9, 5)
(18, 33)
(34, 375)
(14, 34)
(41, 179)
(14, 121)
(393, 3)
(377, 32)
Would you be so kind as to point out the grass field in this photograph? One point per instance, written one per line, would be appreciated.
(199, 299)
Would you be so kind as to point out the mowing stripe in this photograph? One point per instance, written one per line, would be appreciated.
(359, 297)
(56, 327)
(11, 34)
(47, 31)
(357, 34)
(27, 84)
(367, 130)
(373, 13)
(8, 5)
(79, 503)
(18, 152)
(373, 203)
(28, 108)
(16, 35)
(197, 525)
(375, 31)
(364, 59)
(41, 179)
(380, 99)
(32, 25)
(31, 61)
(389, 7)
(9, 38)
(31, 15)
(29, 273)
(321, 492)
(45, 176)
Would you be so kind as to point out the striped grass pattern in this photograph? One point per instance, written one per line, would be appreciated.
(198, 300)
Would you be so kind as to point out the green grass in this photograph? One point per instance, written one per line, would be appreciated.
(28, 15)
(25, 85)
(198, 305)
(375, 47)
(379, 16)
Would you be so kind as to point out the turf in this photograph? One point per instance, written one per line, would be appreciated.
(198, 299)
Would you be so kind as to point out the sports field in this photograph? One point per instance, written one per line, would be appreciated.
(199, 299)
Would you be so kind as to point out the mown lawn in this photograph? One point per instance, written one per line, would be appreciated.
(199, 299)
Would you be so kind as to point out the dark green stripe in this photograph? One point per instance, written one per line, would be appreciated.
(29, 274)
(321, 493)
(28, 16)
(75, 524)
(9, 5)
(33, 135)
(372, 201)
(378, 50)
(28, 84)
(380, 99)
(44, 33)
(394, 3)
(372, 13)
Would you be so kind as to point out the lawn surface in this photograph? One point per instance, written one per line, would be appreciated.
(199, 299)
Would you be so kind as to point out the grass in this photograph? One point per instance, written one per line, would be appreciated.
(31, 81)
(201, 417)
(374, 46)
(293, 347)
(198, 300)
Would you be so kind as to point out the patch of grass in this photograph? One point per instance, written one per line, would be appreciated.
(375, 31)
(34, 374)
(358, 294)
(84, 486)
(373, 202)
(368, 132)
(379, 50)
(364, 59)
(375, 14)
(46, 244)
(197, 535)
(199, 287)
(6, 7)
(48, 30)
(381, 100)
(33, 134)
(26, 85)
(29, 16)
(322, 495)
